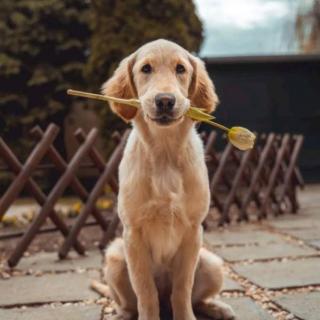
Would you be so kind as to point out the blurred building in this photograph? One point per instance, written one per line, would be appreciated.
(272, 94)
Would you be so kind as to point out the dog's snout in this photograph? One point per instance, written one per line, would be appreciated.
(165, 102)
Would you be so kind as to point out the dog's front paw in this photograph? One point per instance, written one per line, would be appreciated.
(216, 310)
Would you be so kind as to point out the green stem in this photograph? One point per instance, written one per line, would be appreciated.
(135, 103)
(218, 125)
(101, 97)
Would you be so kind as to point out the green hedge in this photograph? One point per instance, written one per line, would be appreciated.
(43, 49)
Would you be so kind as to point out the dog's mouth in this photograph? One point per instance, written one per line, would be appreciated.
(165, 119)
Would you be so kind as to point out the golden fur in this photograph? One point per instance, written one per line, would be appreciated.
(164, 193)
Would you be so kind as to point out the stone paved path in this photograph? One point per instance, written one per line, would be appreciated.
(272, 272)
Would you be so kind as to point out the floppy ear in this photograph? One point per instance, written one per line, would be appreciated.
(121, 85)
(201, 91)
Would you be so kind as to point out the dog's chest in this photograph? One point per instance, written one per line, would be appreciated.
(163, 196)
(166, 216)
(166, 182)
(163, 238)
(163, 188)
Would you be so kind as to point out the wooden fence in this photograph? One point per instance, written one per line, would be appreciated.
(267, 175)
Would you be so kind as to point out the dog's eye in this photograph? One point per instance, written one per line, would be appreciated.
(180, 68)
(146, 68)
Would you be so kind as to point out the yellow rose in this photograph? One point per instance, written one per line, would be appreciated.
(241, 138)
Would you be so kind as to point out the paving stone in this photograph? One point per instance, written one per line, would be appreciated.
(277, 274)
(64, 287)
(313, 210)
(231, 285)
(92, 312)
(295, 222)
(264, 251)
(46, 261)
(309, 196)
(315, 243)
(246, 309)
(305, 233)
(240, 236)
(303, 305)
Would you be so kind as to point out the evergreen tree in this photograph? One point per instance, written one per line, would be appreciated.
(43, 48)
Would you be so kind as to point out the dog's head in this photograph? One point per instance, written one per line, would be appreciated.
(166, 79)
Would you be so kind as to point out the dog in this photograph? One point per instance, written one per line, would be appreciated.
(163, 190)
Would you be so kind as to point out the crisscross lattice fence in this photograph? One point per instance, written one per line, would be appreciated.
(68, 178)
(267, 176)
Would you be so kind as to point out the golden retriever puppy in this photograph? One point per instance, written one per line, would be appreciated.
(164, 190)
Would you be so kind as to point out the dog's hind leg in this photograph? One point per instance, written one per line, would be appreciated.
(116, 276)
(207, 284)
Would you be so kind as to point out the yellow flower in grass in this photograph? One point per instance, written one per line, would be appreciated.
(28, 216)
(8, 221)
(76, 207)
(104, 203)
(241, 138)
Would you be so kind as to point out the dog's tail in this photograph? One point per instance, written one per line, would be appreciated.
(100, 288)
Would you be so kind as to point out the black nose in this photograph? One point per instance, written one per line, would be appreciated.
(165, 102)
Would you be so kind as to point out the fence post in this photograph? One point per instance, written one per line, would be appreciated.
(273, 175)
(251, 193)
